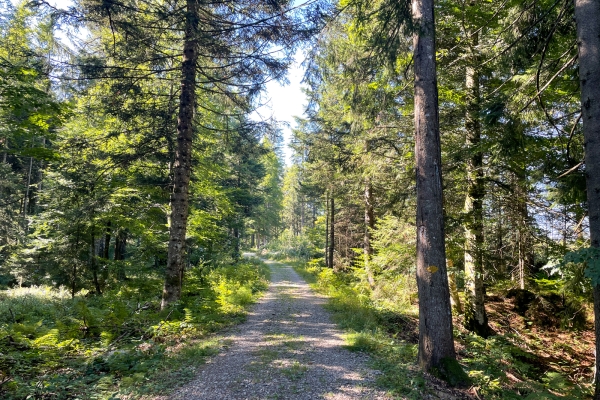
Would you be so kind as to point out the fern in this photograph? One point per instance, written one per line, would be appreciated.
(189, 317)
(50, 339)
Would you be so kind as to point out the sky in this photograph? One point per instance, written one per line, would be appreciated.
(286, 102)
(282, 102)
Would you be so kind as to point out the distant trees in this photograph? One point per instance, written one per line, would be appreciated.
(227, 54)
(29, 117)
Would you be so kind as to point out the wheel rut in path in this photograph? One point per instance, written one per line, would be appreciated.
(288, 348)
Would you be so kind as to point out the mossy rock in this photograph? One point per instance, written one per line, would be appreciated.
(451, 371)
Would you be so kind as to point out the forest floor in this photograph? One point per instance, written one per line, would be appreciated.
(287, 349)
(548, 349)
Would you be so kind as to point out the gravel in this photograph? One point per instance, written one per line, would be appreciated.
(287, 349)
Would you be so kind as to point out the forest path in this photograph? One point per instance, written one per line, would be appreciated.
(288, 348)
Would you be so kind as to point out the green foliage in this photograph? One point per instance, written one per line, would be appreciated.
(394, 242)
(590, 257)
(289, 245)
(503, 370)
(235, 288)
(120, 343)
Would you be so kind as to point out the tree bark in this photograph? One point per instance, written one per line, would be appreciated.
(94, 262)
(369, 226)
(302, 216)
(107, 234)
(183, 156)
(5, 148)
(523, 235)
(331, 232)
(454, 295)
(587, 18)
(75, 261)
(120, 250)
(27, 194)
(475, 316)
(436, 340)
(327, 230)
(236, 245)
(120, 246)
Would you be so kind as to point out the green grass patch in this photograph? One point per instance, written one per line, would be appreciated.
(119, 344)
(294, 371)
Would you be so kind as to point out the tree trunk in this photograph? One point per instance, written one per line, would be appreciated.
(107, 234)
(523, 236)
(454, 295)
(236, 245)
(369, 226)
(36, 189)
(436, 340)
(5, 152)
(4, 157)
(327, 230)
(331, 232)
(120, 245)
(75, 261)
(587, 17)
(94, 263)
(499, 245)
(183, 156)
(475, 316)
(106, 250)
(302, 207)
(27, 194)
(120, 250)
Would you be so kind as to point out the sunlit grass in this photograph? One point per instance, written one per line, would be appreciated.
(120, 343)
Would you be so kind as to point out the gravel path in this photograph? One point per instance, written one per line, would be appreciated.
(287, 349)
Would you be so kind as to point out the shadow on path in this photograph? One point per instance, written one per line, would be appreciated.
(287, 349)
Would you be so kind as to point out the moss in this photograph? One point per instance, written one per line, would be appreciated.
(451, 371)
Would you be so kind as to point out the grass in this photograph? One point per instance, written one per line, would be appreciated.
(294, 371)
(505, 366)
(119, 345)
(366, 329)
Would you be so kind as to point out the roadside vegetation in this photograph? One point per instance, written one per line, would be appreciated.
(525, 359)
(119, 345)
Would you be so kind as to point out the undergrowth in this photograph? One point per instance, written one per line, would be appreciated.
(119, 344)
(500, 367)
